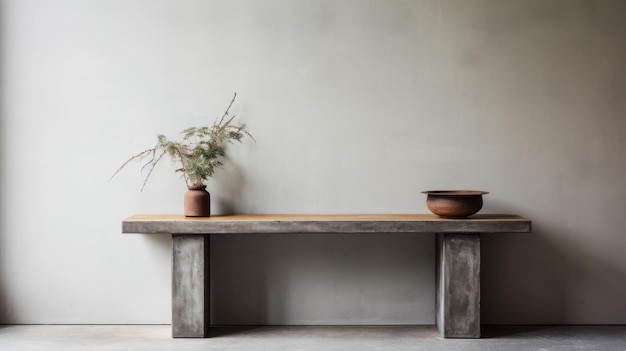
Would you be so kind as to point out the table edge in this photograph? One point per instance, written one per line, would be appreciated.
(367, 223)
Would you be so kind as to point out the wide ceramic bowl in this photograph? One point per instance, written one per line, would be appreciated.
(454, 203)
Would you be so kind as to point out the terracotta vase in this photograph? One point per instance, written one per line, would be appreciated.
(197, 201)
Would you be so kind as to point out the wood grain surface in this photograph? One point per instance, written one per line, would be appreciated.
(335, 223)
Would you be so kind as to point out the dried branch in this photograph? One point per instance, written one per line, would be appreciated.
(199, 152)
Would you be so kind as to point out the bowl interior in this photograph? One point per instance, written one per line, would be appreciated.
(455, 192)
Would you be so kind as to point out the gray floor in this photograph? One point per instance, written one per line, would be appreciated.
(361, 338)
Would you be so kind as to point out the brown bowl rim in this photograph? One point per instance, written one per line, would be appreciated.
(455, 192)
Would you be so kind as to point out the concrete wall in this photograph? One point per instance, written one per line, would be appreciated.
(356, 105)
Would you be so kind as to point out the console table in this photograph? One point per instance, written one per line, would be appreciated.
(458, 257)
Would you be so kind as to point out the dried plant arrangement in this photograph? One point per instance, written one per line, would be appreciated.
(199, 153)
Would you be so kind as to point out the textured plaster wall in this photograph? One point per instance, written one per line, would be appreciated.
(356, 106)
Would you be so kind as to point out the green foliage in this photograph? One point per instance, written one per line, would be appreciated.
(200, 151)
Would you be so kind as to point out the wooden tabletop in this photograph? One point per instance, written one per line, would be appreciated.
(335, 223)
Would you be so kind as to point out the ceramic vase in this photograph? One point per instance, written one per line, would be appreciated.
(197, 201)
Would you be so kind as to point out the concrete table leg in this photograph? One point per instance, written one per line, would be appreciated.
(190, 290)
(458, 285)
